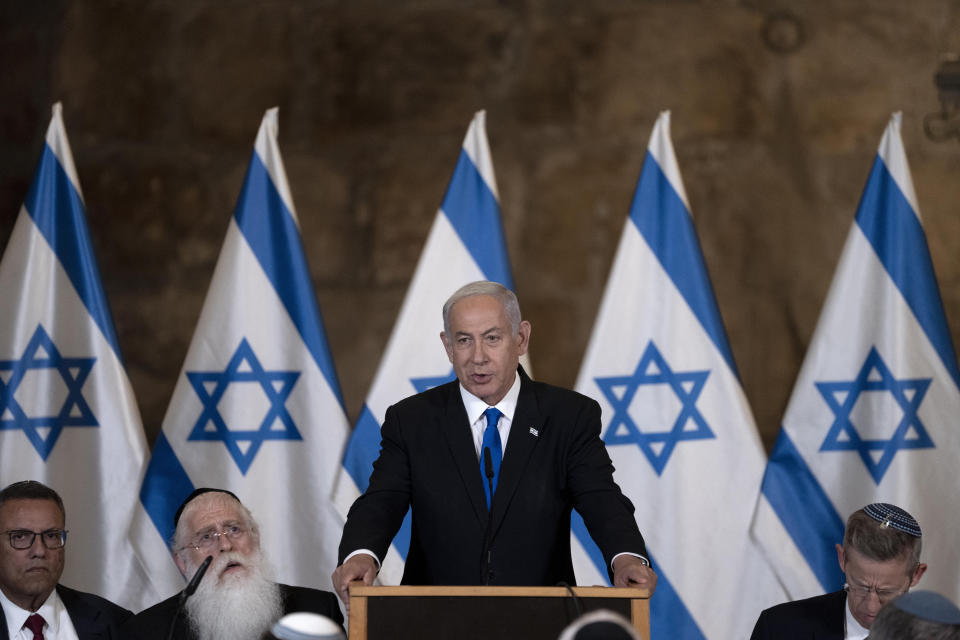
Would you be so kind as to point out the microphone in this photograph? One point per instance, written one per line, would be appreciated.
(187, 592)
(195, 580)
(487, 552)
(488, 469)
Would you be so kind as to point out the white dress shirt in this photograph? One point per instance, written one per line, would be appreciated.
(57, 622)
(478, 422)
(853, 630)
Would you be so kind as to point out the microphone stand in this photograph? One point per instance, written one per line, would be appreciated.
(187, 592)
(487, 552)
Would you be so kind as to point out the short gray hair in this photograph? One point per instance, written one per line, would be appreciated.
(496, 290)
(877, 542)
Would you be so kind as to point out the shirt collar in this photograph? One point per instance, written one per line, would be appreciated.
(17, 616)
(507, 405)
(855, 630)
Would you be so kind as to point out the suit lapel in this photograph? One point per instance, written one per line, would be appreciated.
(455, 426)
(525, 432)
(84, 618)
(3, 626)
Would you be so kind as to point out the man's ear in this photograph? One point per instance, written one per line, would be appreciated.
(523, 331)
(840, 558)
(180, 563)
(446, 346)
(917, 574)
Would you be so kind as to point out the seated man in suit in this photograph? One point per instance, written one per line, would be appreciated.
(918, 615)
(235, 599)
(32, 604)
(475, 521)
(880, 556)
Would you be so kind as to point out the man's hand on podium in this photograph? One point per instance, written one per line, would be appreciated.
(359, 567)
(630, 571)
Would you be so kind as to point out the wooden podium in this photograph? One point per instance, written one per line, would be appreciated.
(464, 613)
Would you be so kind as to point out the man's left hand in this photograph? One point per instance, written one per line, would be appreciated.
(630, 571)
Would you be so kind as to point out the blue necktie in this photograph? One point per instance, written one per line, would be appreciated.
(491, 439)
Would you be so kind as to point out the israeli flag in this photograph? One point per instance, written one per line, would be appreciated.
(873, 414)
(676, 422)
(68, 417)
(466, 243)
(257, 408)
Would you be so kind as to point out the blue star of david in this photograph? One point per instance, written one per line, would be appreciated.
(40, 354)
(689, 424)
(429, 382)
(275, 425)
(841, 397)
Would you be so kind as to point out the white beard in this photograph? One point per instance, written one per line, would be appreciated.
(241, 607)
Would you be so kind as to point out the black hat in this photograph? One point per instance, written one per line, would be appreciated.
(199, 492)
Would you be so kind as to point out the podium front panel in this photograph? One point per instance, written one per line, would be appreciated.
(483, 613)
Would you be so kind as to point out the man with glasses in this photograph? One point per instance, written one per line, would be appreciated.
(880, 556)
(235, 599)
(32, 605)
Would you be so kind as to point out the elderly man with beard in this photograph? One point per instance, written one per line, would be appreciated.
(235, 600)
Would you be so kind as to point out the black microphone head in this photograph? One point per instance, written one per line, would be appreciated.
(487, 463)
(195, 580)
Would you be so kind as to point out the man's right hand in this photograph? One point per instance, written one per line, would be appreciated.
(359, 567)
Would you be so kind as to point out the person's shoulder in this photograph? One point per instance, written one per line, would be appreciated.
(156, 617)
(434, 398)
(550, 395)
(813, 610)
(313, 600)
(72, 598)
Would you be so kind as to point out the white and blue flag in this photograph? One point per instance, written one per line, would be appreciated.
(873, 414)
(466, 243)
(68, 417)
(257, 408)
(676, 422)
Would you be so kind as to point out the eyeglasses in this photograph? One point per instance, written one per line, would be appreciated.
(883, 595)
(208, 539)
(23, 538)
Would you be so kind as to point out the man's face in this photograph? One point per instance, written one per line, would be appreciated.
(482, 348)
(27, 576)
(233, 550)
(884, 579)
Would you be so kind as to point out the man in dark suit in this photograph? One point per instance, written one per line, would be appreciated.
(475, 521)
(32, 520)
(880, 556)
(235, 599)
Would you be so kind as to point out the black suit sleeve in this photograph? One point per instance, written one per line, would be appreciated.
(376, 516)
(608, 514)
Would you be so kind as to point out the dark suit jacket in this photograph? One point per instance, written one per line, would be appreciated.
(93, 617)
(819, 618)
(554, 460)
(154, 623)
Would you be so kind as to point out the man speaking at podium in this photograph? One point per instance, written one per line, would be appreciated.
(491, 465)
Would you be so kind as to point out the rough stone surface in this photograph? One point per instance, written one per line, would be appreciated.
(775, 123)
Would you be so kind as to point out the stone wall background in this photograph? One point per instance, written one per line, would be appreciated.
(776, 121)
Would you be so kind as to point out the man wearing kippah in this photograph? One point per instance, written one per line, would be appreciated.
(918, 615)
(880, 556)
(236, 599)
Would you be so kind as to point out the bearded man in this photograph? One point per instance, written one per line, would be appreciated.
(236, 599)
